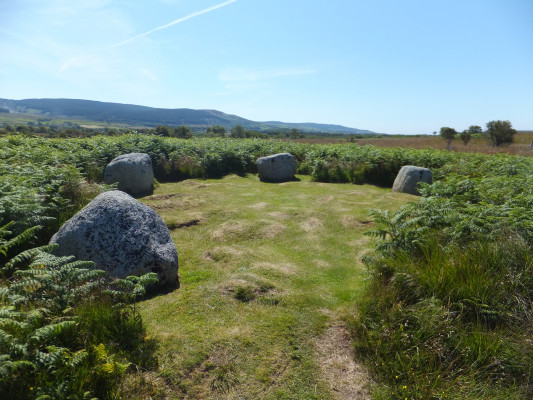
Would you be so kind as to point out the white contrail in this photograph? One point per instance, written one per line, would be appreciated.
(205, 10)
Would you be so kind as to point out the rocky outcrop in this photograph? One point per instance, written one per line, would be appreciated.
(133, 172)
(122, 236)
(408, 178)
(277, 167)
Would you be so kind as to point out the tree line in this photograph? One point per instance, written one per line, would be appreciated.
(183, 132)
(497, 133)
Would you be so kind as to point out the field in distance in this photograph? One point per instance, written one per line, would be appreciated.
(521, 145)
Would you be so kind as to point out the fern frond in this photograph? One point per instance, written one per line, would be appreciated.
(26, 256)
(22, 238)
(25, 273)
(4, 230)
(49, 331)
(26, 285)
(81, 265)
(78, 358)
(5, 338)
(148, 279)
(8, 368)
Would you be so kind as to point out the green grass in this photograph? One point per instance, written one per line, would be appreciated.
(265, 268)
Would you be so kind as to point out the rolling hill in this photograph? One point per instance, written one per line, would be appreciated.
(136, 115)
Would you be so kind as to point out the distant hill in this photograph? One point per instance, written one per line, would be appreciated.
(135, 115)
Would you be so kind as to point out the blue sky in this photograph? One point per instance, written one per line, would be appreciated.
(408, 66)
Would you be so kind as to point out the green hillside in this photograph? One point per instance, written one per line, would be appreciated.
(134, 115)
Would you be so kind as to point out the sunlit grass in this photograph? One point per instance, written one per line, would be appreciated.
(263, 269)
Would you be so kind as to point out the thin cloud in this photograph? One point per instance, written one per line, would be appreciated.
(195, 14)
(244, 75)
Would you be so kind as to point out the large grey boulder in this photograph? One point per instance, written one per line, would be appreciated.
(277, 167)
(407, 179)
(133, 172)
(122, 236)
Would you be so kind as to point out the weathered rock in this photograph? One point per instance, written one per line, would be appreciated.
(407, 179)
(276, 168)
(133, 172)
(122, 236)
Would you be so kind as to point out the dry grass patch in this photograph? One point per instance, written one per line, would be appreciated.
(271, 230)
(325, 199)
(311, 225)
(259, 206)
(230, 230)
(322, 263)
(345, 378)
(146, 385)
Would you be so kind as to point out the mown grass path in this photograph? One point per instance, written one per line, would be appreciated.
(269, 273)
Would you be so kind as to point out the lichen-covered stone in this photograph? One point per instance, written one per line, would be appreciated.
(122, 236)
(276, 168)
(408, 178)
(133, 172)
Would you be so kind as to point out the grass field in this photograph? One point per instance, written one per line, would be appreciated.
(270, 274)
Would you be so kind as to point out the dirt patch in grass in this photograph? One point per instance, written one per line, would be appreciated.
(322, 263)
(259, 206)
(311, 225)
(229, 230)
(271, 230)
(345, 378)
(349, 221)
(325, 199)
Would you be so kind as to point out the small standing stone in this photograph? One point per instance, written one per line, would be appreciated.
(277, 168)
(133, 172)
(407, 179)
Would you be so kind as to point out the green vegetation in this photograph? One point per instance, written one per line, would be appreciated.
(500, 132)
(448, 311)
(43, 178)
(267, 269)
(260, 286)
(129, 115)
(65, 330)
(448, 134)
(468, 134)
